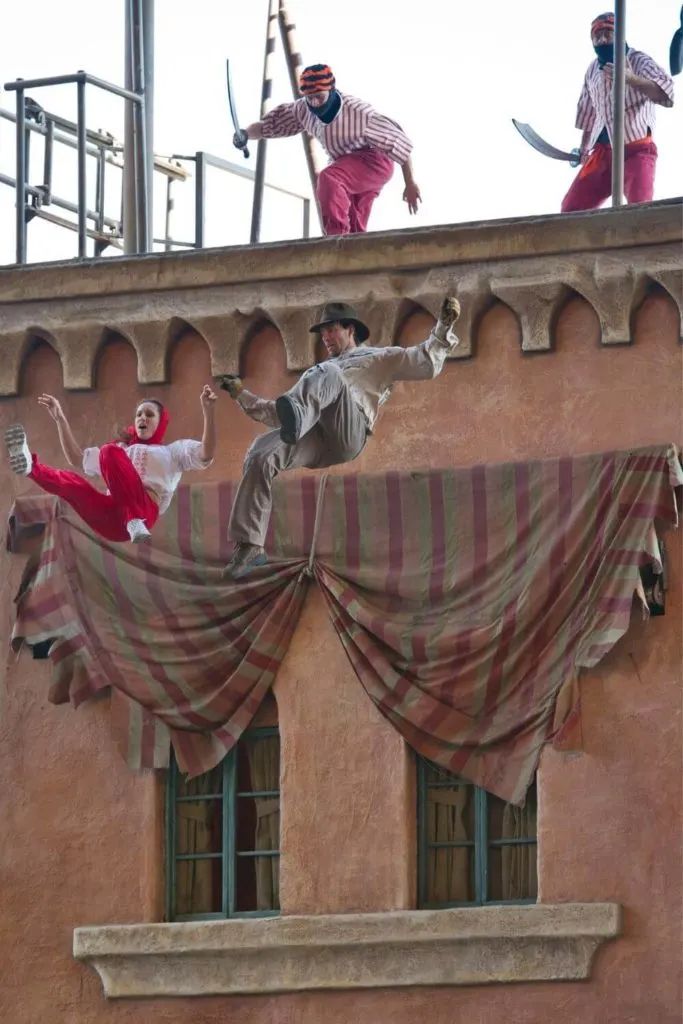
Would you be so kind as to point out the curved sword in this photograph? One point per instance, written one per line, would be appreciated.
(676, 50)
(233, 109)
(539, 144)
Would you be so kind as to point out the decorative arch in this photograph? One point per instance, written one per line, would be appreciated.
(407, 309)
(176, 331)
(255, 325)
(569, 294)
(263, 357)
(487, 305)
(15, 363)
(648, 287)
(105, 337)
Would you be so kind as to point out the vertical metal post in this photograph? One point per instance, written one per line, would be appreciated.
(140, 128)
(27, 148)
(294, 67)
(169, 210)
(148, 92)
(199, 194)
(47, 160)
(99, 190)
(138, 166)
(81, 138)
(266, 92)
(99, 198)
(307, 218)
(21, 176)
(130, 239)
(618, 101)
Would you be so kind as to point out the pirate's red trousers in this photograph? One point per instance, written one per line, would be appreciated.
(593, 184)
(348, 188)
(106, 514)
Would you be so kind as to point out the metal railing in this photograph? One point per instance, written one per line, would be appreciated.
(80, 79)
(37, 197)
(93, 223)
(202, 162)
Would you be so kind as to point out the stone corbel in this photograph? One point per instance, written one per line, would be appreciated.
(465, 946)
(381, 315)
(610, 290)
(536, 304)
(78, 347)
(294, 327)
(221, 334)
(474, 299)
(473, 294)
(12, 352)
(149, 339)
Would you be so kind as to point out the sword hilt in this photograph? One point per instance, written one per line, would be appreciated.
(576, 154)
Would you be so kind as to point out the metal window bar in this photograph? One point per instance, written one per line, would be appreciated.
(480, 843)
(228, 853)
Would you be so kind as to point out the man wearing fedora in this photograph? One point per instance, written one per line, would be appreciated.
(327, 417)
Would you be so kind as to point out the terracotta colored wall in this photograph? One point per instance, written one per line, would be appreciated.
(81, 836)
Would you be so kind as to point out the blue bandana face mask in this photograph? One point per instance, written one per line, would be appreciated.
(605, 53)
(330, 108)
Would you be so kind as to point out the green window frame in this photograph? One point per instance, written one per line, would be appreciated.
(219, 788)
(480, 851)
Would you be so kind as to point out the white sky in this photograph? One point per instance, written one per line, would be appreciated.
(452, 73)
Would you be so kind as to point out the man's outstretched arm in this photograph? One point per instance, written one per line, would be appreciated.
(260, 409)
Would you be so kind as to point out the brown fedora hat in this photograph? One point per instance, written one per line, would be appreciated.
(334, 313)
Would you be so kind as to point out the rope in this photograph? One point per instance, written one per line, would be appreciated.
(308, 571)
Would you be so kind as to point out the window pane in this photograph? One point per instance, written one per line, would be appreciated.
(258, 764)
(508, 822)
(257, 884)
(199, 886)
(203, 835)
(512, 866)
(450, 875)
(450, 814)
(258, 823)
(512, 872)
(209, 782)
(199, 826)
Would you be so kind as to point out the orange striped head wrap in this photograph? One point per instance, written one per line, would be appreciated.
(316, 78)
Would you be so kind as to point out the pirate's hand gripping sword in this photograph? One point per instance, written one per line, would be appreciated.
(240, 137)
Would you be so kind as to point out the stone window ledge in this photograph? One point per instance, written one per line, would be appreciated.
(463, 946)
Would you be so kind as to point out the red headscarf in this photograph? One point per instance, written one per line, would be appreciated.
(130, 434)
(603, 21)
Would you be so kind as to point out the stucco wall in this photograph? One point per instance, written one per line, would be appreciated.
(81, 835)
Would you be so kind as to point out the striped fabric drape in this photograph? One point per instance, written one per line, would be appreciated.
(465, 599)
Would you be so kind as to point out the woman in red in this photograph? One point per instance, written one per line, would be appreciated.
(140, 472)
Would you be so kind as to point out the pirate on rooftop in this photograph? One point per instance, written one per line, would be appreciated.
(363, 147)
(647, 86)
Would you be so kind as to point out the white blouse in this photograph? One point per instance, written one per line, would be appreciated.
(160, 466)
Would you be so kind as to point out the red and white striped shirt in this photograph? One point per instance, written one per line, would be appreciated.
(595, 104)
(356, 126)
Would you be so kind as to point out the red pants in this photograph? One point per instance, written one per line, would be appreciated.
(593, 183)
(348, 188)
(106, 514)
